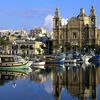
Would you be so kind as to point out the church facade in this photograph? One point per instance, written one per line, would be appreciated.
(80, 31)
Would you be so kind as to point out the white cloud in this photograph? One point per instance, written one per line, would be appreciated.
(64, 21)
(48, 22)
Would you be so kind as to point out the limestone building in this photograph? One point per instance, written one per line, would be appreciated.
(80, 31)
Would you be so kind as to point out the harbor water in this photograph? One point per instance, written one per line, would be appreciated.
(59, 82)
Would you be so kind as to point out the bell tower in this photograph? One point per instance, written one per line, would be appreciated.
(93, 17)
(57, 33)
(93, 25)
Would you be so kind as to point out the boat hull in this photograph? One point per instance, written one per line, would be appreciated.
(38, 67)
(61, 61)
(38, 63)
(25, 65)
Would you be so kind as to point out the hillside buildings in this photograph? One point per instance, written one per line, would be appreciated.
(20, 43)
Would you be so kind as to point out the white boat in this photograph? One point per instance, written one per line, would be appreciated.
(38, 67)
(37, 63)
(13, 61)
(86, 58)
(41, 63)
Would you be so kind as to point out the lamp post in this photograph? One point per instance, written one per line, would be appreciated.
(14, 47)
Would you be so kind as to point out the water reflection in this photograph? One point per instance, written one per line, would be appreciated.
(7, 75)
(80, 82)
(77, 81)
(40, 75)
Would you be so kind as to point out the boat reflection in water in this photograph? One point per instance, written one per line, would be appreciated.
(39, 75)
(11, 75)
(59, 82)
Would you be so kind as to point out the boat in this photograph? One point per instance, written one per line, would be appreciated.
(39, 63)
(95, 60)
(86, 58)
(13, 61)
(55, 59)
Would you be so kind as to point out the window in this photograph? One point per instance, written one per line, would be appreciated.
(7, 59)
(57, 22)
(74, 36)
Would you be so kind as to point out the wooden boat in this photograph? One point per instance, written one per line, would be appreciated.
(55, 59)
(13, 61)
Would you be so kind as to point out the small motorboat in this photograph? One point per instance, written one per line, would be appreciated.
(13, 61)
(38, 63)
(55, 59)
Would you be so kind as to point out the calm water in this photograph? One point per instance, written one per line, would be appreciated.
(56, 83)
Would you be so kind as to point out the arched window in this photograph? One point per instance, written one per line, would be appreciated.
(74, 35)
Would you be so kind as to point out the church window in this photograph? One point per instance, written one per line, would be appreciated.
(57, 22)
(93, 21)
(74, 36)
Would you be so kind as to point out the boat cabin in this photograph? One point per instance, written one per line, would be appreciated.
(10, 58)
(6, 58)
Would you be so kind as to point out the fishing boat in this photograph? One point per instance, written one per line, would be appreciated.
(13, 61)
(55, 59)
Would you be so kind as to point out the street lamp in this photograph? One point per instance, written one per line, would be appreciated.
(14, 47)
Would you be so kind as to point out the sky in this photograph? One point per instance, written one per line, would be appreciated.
(29, 14)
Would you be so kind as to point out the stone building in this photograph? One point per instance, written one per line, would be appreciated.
(37, 31)
(27, 48)
(80, 31)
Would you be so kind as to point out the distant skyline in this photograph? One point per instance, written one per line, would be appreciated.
(27, 14)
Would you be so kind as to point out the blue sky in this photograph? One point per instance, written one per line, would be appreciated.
(26, 14)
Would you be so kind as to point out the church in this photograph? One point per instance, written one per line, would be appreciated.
(80, 31)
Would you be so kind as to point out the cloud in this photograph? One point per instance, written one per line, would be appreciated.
(48, 22)
(64, 21)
